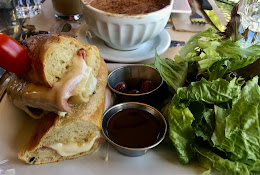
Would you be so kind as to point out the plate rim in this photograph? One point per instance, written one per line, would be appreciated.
(164, 36)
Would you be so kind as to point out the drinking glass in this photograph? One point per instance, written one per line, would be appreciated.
(27, 8)
(9, 23)
(69, 10)
(249, 11)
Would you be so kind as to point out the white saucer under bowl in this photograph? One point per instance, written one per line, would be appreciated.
(145, 51)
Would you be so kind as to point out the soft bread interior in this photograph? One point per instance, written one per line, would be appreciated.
(51, 57)
(59, 57)
(80, 126)
(77, 132)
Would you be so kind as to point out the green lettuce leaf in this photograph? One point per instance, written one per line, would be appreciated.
(204, 122)
(191, 48)
(216, 55)
(220, 119)
(180, 131)
(174, 74)
(225, 166)
(212, 92)
(213, 109)
(238, 56)
(255, 166)
(242, 131)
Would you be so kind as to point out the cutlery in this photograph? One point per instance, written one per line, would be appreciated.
(175, 43)
(196, 17)
(207, 8)
(4, 79)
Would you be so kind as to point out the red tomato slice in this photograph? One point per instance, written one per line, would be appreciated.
(13, 57)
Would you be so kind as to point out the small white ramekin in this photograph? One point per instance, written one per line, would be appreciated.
(122, 31)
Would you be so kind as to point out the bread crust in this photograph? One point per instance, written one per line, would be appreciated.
(35, 52)
(91, 111)
(38, 45)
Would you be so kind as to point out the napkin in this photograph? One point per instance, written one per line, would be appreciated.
(181, 21)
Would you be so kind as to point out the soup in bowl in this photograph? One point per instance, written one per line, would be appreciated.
(124, 24)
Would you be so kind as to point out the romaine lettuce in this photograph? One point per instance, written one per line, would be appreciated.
(216, 55)
(242, 131)
(196, 115)
(225, 166)
(180, 131)
(212, 92)
(174, 74)
(215, 116)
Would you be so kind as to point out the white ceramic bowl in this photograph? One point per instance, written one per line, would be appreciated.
(122, 31)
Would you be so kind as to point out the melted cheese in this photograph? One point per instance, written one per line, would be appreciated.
(85, 88)
(72, 148)
(55, 99)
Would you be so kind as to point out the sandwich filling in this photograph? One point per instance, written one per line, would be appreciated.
(73, 148)
(74, 87)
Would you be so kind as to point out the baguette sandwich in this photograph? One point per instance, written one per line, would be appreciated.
(65, 89)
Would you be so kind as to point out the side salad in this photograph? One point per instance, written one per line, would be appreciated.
(212, 114)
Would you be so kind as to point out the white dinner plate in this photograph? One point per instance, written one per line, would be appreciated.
(181, 6)
(145, 51)
(16, 128)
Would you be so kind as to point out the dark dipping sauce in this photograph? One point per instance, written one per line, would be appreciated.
(134, 128)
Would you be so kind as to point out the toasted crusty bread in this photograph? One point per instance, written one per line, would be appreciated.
(51, 57)
(53, 60)
(80, 125)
